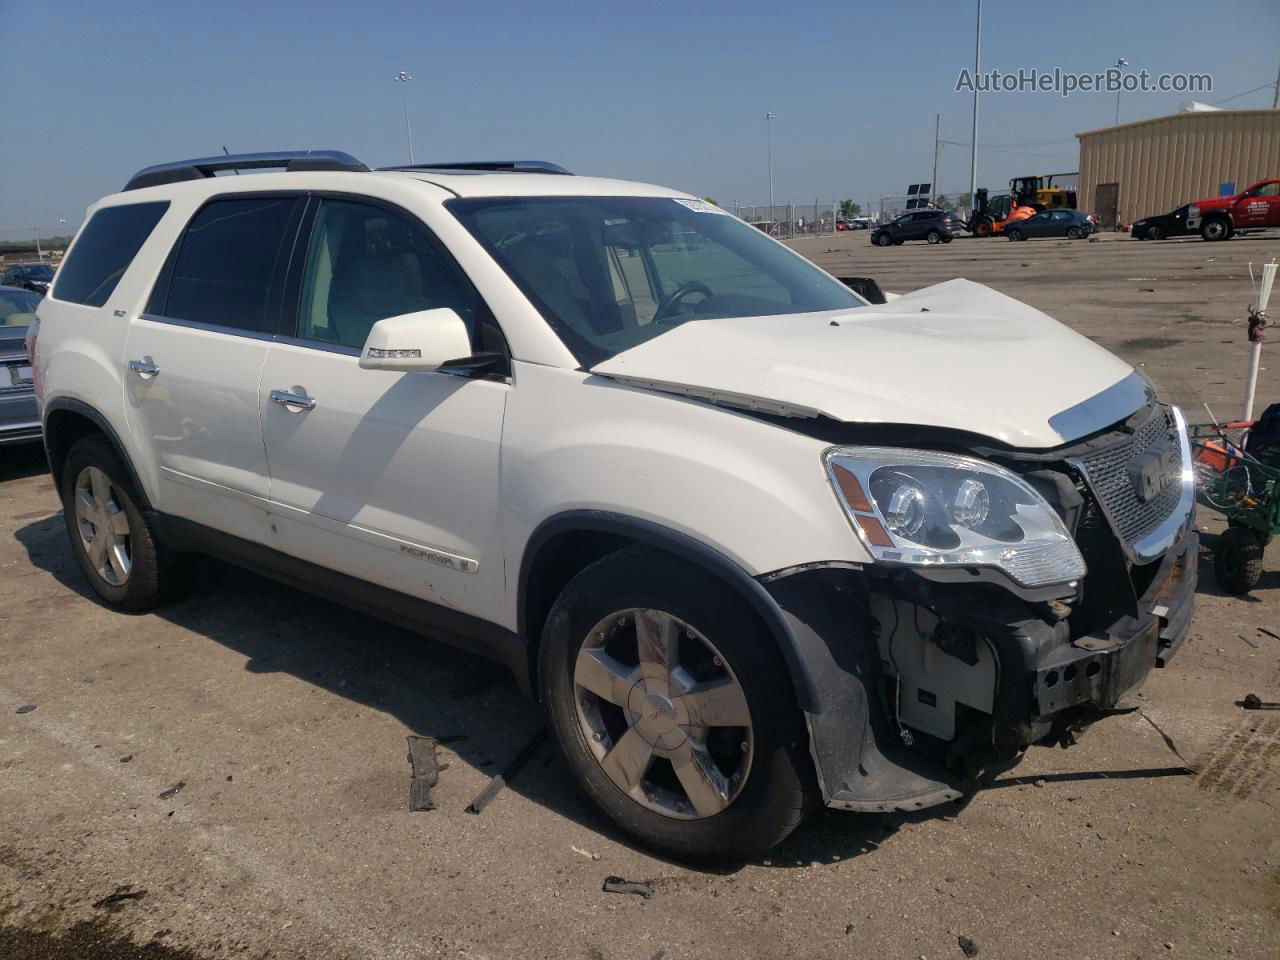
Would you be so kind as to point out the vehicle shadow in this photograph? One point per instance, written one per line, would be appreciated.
(22, 460)
(434, 690)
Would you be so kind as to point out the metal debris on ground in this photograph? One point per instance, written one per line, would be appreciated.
(584, 853)
(426, 772)
(173, 791)
(1254, 702)
(1252, 643)
(120, 895)
(25, 708)
(126, 758)
(968, 946)
(618, 885)
(1269, 633)
(495, 785)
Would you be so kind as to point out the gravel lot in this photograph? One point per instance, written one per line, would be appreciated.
(281, 721)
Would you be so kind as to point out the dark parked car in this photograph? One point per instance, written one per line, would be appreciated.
(1163, 225)
(19, 419)
(935, 226)
(29, 276)
(1052, 223)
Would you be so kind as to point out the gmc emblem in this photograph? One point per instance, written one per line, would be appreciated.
(1153, 471)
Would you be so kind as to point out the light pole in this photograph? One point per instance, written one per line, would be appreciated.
(1120, 62)
(769, 117)
(403, 77)
(36, 232)
(973, 137)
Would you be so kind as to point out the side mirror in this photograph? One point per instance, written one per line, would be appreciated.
(422, 341)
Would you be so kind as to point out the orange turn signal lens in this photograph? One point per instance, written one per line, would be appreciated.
(851, 490)
(875, 533)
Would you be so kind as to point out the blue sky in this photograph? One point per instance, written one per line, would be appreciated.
(668, 92)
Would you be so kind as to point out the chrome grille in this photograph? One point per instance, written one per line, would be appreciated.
(1108, 476)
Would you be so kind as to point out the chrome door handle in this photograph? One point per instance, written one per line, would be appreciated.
(287, 399)
(144, 368)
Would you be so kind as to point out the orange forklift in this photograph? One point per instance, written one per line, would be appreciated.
(1027, 196)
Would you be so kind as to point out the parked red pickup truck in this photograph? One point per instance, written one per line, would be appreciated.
(1219, 217)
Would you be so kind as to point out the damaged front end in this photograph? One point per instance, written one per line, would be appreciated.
(931, 673)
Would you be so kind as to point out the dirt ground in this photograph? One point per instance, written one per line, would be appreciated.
(235, 765)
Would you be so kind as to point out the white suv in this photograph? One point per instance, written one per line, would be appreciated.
(755, 543)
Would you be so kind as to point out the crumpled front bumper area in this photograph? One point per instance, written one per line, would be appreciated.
(1048, 684)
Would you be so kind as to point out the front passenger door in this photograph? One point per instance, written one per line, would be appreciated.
(389, 477)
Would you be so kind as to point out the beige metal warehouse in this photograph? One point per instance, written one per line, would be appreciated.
(1154, 166)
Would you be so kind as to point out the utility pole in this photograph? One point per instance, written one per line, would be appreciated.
(769, 117)
(402, 77)
(933, 186)
(973, 138)
(1119, 63)
(36, 231)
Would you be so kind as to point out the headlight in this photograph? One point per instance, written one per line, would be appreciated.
(919, 508)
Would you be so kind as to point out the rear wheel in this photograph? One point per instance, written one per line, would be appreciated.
(673, 708)
(114, 543)
(933, 236)
(1215, 229)
(1237, 560)
(1074, 233)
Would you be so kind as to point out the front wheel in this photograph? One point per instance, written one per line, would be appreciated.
(1014, 234)
(1237, 560)
(1155, 233)
(673, 708)
(1215, 229)
(884, 240)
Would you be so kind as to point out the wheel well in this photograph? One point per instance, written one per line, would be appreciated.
(567, 544)
(556, 562)
(62, 428)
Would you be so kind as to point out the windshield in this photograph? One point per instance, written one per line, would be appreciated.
(611, 272)
(17, 309)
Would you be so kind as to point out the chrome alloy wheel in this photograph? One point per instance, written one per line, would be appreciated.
(103, 526)
(663, 714)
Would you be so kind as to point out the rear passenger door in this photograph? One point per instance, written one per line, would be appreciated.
(194, 359)
(389, 477)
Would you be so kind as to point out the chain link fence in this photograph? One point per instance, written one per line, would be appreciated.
(788, 220)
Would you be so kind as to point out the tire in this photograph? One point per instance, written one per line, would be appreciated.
(1074, 234)
(883, 240)
(1237, 560)
(763, 792)
(1014, 234)
(134, 571)
(982, 228)
(933, 236)
(1155, 233)
(1215, 229)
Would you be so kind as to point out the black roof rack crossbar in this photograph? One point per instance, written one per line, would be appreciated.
(490, 166)
(290, 160)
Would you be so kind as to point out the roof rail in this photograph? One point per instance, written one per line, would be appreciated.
(490, 166)
(290, 160)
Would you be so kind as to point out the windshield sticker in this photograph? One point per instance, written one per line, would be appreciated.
(700, 206)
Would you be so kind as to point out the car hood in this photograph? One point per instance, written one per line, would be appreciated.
(955, 355)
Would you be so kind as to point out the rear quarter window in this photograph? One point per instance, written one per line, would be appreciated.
(103, 251)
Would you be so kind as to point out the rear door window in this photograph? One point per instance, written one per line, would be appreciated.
(228, 268)
(103, 251)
